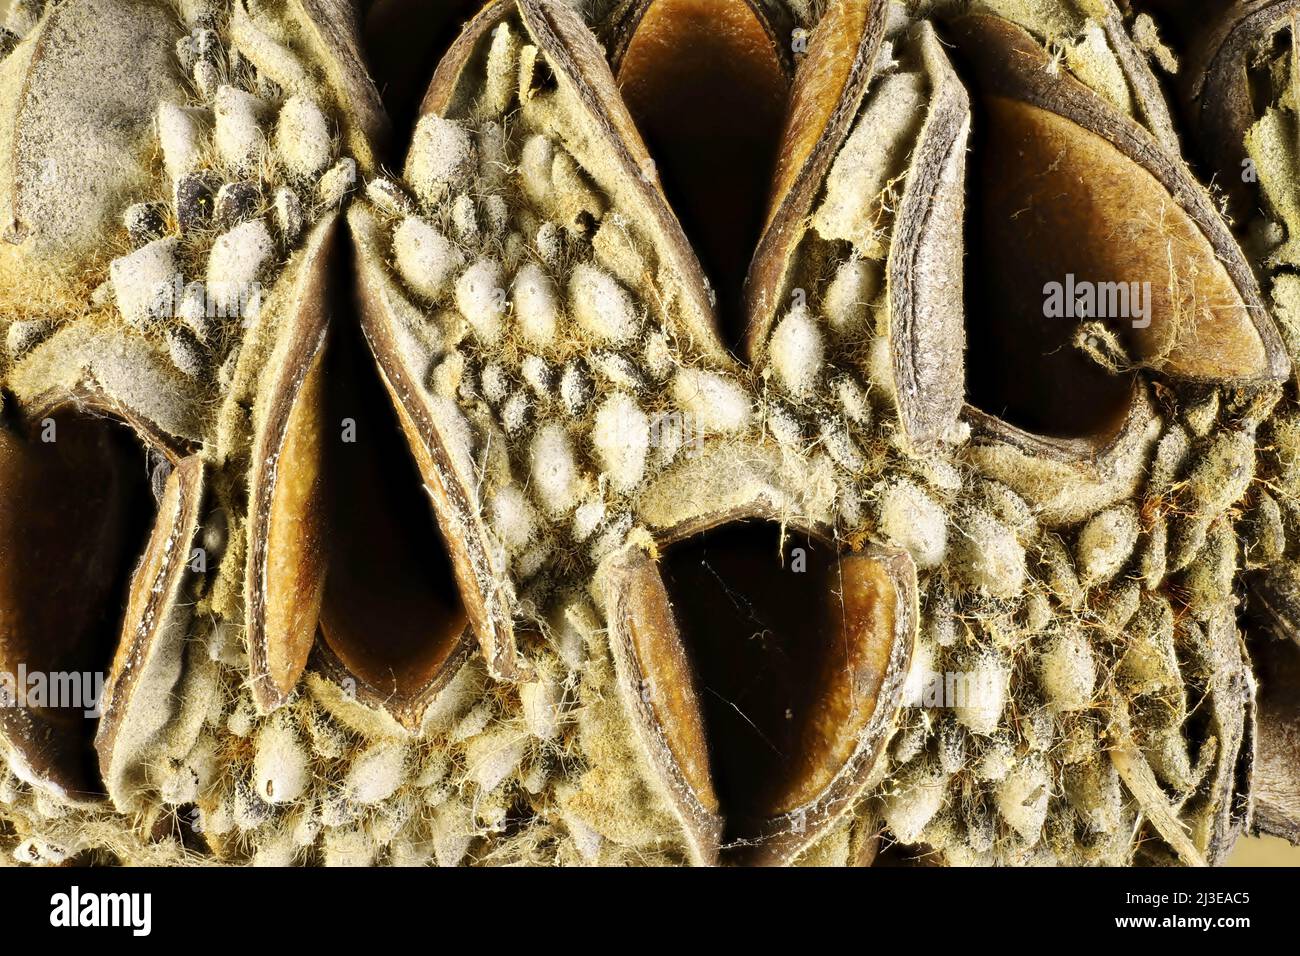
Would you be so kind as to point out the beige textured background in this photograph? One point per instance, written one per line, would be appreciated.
(1265, 851)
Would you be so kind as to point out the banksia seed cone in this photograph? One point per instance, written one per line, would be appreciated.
(759, 431)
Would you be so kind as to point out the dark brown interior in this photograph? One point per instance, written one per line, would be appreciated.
(392, 611)
(1276, 664)
(1180, 21)
(708, 91)
(758, 633)
(77, 511)
(405, 40)
(1022, 366)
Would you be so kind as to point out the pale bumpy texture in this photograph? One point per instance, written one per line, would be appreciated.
(1077, 689)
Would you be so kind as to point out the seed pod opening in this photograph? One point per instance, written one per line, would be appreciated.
(402, 37)
(77, 510)
(776, 732)
(1147, 253)
(345, 540)
(707, 84)
(391, 612)
(438, 441)
(498, 417)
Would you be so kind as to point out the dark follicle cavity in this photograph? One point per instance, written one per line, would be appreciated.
(405, 40)
(789, 642)
(1055, 205)
(1023, 365)
(77, 511)
(707, 88)
(1179, 21)
(392, 612)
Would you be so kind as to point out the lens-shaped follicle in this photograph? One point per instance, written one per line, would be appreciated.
(392, 611)
(75, 511)
(707, 85)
